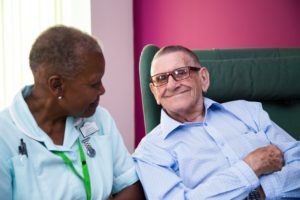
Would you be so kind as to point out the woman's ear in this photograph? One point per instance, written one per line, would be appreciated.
(55, 84)
(204, 77)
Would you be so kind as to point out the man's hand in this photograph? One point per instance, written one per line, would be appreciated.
(265, 160)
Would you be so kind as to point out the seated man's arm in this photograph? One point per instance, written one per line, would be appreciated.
(265, 160)
(160, 179)
(286, 182)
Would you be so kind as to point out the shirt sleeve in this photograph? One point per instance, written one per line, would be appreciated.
(123, 166)
(155, 168)
(286, 182)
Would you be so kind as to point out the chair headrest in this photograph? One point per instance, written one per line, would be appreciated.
(258, 79)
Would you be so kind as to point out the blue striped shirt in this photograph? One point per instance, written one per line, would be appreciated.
(205, 160)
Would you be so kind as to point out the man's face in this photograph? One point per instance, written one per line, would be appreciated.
(179, 98)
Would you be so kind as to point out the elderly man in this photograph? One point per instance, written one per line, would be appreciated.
(206, 150)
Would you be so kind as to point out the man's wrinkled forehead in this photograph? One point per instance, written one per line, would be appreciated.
(175, 60)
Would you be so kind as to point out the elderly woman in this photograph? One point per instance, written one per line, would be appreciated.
(55, 141)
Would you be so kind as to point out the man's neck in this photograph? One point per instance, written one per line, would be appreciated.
(194, 116)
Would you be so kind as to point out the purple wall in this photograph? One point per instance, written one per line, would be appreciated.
(204, 24)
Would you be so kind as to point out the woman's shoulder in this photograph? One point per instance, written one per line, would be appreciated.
(7, 125)
(101, 111)
(9, 135)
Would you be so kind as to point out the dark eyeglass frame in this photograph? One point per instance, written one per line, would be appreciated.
(173, 73)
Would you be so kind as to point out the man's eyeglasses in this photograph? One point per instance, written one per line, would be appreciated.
(177, 74)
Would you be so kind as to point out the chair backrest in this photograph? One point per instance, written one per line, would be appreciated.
(269, 75)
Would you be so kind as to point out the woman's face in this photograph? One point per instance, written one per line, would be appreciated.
(82, 93)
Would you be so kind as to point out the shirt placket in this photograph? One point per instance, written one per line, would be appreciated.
(222, 144)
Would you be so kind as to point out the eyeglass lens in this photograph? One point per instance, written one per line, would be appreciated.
(177, 74)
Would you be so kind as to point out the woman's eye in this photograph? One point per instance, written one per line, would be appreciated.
(96, 85)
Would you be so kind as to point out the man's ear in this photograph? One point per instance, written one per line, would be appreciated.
(154, 92)
(204, 77)
(55, 84)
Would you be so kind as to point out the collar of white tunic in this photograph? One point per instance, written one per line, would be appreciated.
(25, 121)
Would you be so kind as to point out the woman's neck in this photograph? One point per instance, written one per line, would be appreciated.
(47, 115)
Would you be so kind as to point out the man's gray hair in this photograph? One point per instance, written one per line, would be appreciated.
(177, 48)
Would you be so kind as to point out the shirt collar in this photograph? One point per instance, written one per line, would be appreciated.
(25, 121)
(168, 124)
(22, 116)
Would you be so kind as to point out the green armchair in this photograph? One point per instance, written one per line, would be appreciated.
(270, 76)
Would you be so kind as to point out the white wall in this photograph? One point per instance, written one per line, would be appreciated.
(112, 23)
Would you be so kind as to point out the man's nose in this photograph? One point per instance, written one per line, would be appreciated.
(171, 80)
(171, 75)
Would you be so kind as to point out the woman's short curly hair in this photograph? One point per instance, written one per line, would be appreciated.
(58, 50)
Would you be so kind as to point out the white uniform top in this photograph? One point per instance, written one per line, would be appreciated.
(43, 174)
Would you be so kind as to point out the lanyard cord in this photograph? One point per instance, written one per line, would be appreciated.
(85, 170)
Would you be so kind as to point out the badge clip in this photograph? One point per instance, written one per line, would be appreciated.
(91, 152)
(88, 129)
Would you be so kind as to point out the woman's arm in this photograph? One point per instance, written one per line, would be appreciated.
(132, 192)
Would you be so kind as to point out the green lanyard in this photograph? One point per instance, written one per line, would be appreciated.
(85, 170)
